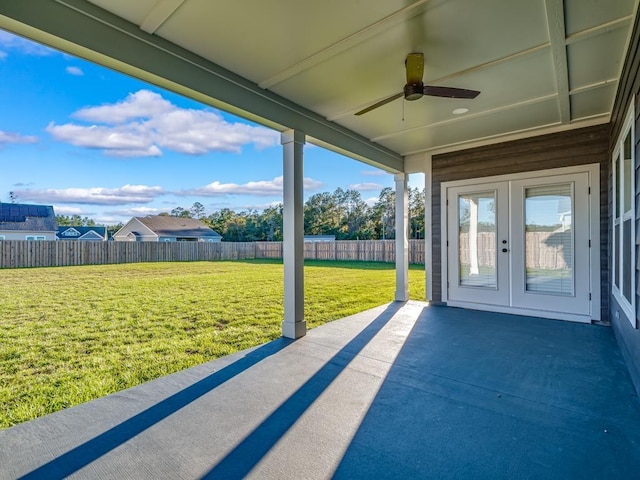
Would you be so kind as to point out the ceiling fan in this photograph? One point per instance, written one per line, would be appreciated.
(415, 88)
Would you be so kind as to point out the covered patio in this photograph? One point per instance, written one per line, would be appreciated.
(405, 390)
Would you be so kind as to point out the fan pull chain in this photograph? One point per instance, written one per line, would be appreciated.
(403, 100)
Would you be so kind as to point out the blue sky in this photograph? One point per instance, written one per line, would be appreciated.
(97, 143)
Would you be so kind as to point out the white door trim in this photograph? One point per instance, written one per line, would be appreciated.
(593, 171)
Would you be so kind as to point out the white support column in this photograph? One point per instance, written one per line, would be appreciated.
(402, 237)
(428, 229)
(294, 325)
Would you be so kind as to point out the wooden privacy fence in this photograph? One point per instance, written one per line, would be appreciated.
(543, 250)
(23, 253)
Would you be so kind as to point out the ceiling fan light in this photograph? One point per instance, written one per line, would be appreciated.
(413, 91)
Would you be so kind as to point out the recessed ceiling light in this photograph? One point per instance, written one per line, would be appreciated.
(460, 111)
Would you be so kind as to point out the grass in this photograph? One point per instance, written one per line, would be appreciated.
(72, 334)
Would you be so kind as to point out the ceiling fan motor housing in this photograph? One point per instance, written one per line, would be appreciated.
(413, 91)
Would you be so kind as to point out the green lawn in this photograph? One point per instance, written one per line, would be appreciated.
(72, 334)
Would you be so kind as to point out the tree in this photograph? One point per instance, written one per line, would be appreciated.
(197, 210)
(416, 213)
(321, 215)
(220, 221)
(74, 221)
(236, 229)
(383, 214)
(111, 229)
(342, 213)
(180, 212)
(271, 223)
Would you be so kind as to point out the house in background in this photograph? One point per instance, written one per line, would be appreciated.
(160, 228)
(27, 222)
(319, 238)
(83, 234)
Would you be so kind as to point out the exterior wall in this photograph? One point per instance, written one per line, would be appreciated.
(628, 337)
(135, 226)
(570, 148)
(22, 234)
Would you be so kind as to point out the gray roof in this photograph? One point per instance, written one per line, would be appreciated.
(23, 217)
(165, 226)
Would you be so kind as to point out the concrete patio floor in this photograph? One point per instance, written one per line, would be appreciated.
(400, 391)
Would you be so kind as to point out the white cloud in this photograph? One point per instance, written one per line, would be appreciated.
(135, 212)
(77, 71)
(13, 42)
(119, 141)
(3, 55)
(108, 220)
(139, 105)
(12, 137)
(93, 196)
(266, 188)
(145, 124)
(364, 187)
(66, 210)
(371, 201)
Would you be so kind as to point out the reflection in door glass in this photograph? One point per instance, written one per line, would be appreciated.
(477, 239)
(549, 239)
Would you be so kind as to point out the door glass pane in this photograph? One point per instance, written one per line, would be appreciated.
(477, 239)
(549, 239)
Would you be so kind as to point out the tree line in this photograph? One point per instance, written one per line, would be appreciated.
(342, 213)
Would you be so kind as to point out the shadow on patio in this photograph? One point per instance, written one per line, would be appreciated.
(399, 391)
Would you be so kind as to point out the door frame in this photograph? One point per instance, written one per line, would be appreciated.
(593, 171)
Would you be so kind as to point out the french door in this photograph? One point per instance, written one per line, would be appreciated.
(521, 245)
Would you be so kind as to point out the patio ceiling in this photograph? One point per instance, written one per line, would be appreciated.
(542, 65)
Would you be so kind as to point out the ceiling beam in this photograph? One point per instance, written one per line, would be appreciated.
(557, 36)
(593, 86)
(87, 31)
(599, 29)
(340, 46)
(159, 14)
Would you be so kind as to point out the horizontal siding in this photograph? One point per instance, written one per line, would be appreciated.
(629, 85)
(566, 149)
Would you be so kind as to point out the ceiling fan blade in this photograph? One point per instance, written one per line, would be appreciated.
(380, 103)
(414, 65)
(450, 92)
